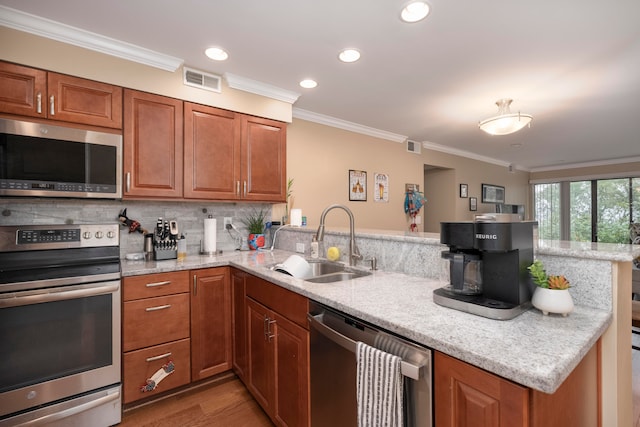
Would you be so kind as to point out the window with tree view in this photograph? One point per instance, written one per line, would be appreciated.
(588, 211)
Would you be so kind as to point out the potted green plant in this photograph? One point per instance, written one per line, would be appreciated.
(552, 292)
(255, 223)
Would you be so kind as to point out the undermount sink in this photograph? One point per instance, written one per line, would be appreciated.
(329, 272)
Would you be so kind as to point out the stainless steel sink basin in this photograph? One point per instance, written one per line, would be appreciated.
(337, 277)
(329, 272)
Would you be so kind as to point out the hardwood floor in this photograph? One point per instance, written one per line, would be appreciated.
(225, 402)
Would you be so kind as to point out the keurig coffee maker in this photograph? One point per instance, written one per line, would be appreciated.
(488, 263)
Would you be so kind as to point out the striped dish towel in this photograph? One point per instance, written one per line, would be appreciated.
(379, 388)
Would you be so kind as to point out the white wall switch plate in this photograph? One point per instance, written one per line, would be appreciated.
(300, 247)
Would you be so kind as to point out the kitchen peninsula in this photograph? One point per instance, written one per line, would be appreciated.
(536, 351)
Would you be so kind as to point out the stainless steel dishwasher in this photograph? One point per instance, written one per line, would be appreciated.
(334, 337)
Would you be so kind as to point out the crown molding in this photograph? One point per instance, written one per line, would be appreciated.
(345, 125)
(587, 164)
(64, 33)
(462, 153)
(259, 88)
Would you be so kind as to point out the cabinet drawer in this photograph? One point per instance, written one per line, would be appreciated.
(154, 321)
(283, 301)
(140, 365)
(155, 285)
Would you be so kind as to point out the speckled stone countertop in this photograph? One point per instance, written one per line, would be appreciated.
(534, 350)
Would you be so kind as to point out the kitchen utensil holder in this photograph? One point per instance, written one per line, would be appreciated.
(162, 254)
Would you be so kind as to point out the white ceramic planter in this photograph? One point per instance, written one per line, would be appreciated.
(552, 301)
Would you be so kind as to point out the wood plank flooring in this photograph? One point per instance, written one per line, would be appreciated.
(223, 403)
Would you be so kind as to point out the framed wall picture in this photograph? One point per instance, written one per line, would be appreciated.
(464, 190)
(473, 203)
(380, 187)
(357, 186)
(492, 193)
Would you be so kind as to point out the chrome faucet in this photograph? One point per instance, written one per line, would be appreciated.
(354, 253)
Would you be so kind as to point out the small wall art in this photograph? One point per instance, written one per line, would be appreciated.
(380, 187)
(357, 186)
(464, 190)
(492, 193)
(473, 203)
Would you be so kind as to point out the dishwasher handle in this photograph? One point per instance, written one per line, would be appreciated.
(408, 369)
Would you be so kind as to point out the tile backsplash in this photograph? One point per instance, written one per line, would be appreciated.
(190, 217)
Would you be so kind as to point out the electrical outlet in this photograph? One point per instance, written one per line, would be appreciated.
(227, 221)
(300, 247)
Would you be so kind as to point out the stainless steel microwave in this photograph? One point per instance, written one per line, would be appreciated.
(43, 160)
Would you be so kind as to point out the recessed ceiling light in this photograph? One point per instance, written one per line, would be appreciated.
(349, 55)
(308, 83)
(216, 53)
(414, 11)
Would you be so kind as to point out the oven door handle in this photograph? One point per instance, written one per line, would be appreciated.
(16, 299)
(408, 369)
(48, 419)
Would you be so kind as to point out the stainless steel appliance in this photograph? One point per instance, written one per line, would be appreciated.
(38, 159)
(60, 325)
(334, 337)
(504, 250)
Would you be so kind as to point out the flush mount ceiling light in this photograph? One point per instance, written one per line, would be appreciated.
(308, 83)
(414, 11)
(349, 55)
(505, 122)
(216, 53)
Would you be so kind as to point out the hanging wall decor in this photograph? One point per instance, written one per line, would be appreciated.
(492, 193)
(357, 186)
(380, 187)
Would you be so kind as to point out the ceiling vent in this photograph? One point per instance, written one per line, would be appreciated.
(414, 147)
(202, 80)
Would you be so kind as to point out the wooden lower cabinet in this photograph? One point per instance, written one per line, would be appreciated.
(278, 352)
(140, 365)
(210, 322)
(469, 396)
(239, 323)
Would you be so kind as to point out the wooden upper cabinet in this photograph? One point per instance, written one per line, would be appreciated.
(211, 153)
(31, 92)
(153, 146)
(72, 99)
(23, 90)
(264, 153)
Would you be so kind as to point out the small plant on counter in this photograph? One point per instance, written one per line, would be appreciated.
(255, 221)
(541, 279)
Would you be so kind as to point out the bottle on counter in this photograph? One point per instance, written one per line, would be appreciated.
(314, 247)
(182, 248)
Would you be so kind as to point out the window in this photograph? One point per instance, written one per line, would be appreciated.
(588, 211)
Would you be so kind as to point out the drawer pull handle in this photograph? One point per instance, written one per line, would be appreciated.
(151, 285)
(162, 356)
(39, 103)
(52, 102)
(160, 307)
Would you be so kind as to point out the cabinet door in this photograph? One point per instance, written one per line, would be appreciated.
(264, 167)
(23, 90)
(291, 406)
(72, 99)
(468, 396)
(261, 355)
(210, 323)
(152, 146)
(211, 153)
(239, 323)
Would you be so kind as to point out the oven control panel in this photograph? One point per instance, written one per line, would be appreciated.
(37, 237)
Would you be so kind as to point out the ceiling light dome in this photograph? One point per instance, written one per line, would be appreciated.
(505, 122)
(349, 55)
(414, 11)
(216, 53)
(308, 83)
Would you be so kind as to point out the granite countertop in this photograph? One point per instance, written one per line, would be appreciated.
(533, 350)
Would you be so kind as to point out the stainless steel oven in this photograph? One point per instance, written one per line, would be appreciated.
(60, 325)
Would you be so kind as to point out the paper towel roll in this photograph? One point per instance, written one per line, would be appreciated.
(296, 217)
(209, 241)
